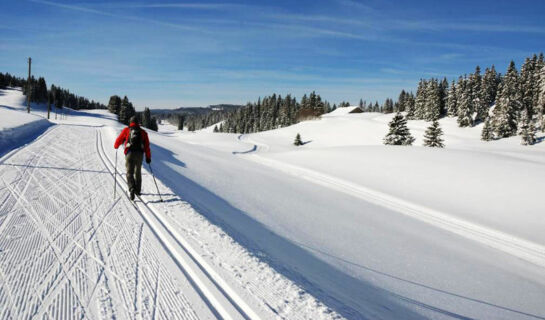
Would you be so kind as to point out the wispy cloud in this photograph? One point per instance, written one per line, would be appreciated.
(109, 14)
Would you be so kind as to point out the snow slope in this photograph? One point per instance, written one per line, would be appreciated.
(377, 231)
(17, 127)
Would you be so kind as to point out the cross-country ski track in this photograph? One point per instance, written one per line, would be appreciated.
(70, 250)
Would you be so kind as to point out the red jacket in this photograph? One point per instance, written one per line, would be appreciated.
(124, 137)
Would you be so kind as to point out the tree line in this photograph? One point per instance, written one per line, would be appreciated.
(55, 96)
(508, 104)
(274, 112)
(124, 110)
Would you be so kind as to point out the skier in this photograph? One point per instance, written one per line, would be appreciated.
(136, 143)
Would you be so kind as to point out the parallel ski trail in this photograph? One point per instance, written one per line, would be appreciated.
(67, 249)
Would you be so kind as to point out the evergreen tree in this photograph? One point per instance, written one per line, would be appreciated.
(475, 83)
(216, 128)
(114, 105)
(452, 104)
(432, 137)
(443, 95)
(402, 101)
(181, 120)
(420, 102)
(465, 105)
(432, 102)
(527, 129)
(126, 111)
(399, 133)
(361, 104)
(487, 134)
(298, 141)
(541, 98)
(508, 103)
(146, 118)
(527, 84)
(489, 88)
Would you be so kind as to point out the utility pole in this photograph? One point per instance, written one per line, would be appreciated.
(29, 86)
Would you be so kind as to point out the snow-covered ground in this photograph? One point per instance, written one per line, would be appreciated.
(17, 127)
(69, 249)
(252, 226)
(378, 231)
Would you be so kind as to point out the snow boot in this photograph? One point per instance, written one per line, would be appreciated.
(132, 195)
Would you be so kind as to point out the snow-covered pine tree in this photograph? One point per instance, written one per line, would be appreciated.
(489, 87)
(410, 105)
(443, 93)
(486, 133)
(508, 102)
(480, 109)
(399, 133)
(465, 106)
(541, 98)
(452, 104)
(298, 141)
(420, 102)
(527, 129)
(402, 101)
(432, 104)
(432, 137)
(527, 79)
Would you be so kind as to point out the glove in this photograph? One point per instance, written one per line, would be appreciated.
(148, 160)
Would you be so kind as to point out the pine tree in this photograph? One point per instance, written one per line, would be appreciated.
(181, 120)
(432, 103)
(527, 129)
(443, 97)
(432, 137)
(114, 105)
(452, 104)
(298, 141)
(487, 134)
(508, 103)
(475, 83)
(399, 133)
(146, 118)
(527, 84)
(420, 102)
(216, 128)
(489, 88)
(465, 105)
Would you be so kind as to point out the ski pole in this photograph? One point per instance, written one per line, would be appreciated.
(115, 172)
(150, 169)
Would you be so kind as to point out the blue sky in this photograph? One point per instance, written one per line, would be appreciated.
(180, 53)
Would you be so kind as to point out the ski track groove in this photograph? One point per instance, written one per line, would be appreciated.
(202, 269)
(66, 249)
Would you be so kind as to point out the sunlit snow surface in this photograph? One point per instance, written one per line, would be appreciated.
(340, 227)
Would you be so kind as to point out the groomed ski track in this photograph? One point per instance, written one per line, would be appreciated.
(69, 250)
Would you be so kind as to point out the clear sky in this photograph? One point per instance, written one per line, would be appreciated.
(179, 53)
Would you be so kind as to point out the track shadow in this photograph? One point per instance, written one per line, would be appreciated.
(254, 149)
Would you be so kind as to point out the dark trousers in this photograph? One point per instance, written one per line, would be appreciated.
(133, 164)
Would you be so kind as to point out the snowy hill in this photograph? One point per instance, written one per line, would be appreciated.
(253, 227)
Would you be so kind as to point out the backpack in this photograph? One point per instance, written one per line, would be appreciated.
(135, 141)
